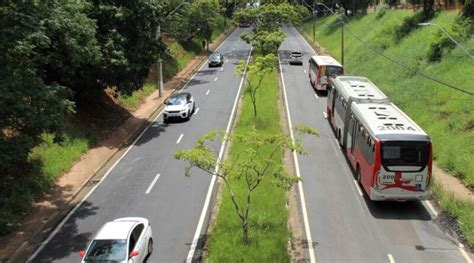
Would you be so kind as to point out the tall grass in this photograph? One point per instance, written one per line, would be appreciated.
(133, 101)
(268, 231)
(445, 114)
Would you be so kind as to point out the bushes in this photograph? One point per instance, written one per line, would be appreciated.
(458, 29)
(411, 23)
(468, 8)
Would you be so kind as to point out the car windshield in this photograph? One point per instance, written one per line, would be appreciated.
(107, 250)
(333, 71)
(179, 100)
(215, 56)
(405, 153)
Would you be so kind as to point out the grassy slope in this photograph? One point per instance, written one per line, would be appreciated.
(268, 215)
(52, 159)
(446, 115)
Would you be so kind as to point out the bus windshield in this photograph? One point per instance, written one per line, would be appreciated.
(405, 153)
(333, 71)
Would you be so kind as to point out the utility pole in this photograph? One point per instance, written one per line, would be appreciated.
(314, 23)
(159, 68)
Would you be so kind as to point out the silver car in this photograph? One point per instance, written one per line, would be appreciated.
(180, 105)
(123, 240)
(296, 58)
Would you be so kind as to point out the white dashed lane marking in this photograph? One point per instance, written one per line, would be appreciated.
(152, 184)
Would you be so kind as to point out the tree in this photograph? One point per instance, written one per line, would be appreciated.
(468, 10)
(256, 71)
(42, 44)
(267, 20)
(194, 20)
(126, 32)
(252, 164)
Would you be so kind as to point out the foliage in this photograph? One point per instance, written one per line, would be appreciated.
(468, 10)
(267, 20)
(256, 72)
(382, 11)
(458, 29)
(445, 114)
(126, 32)
(33, 39)
(410, 23)
(196, 20)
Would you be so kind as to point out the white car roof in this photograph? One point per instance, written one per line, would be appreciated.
(119, 228)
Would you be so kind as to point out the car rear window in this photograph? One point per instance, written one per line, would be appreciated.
(296, 54)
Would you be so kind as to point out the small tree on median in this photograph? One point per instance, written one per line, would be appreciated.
(254, 163)
(257, 70)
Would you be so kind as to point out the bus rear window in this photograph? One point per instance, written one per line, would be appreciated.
(405, 153)
(333, 71)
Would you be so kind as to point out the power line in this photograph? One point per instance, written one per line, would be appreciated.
(405, 67)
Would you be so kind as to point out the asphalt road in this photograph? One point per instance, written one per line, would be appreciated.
(174, 203)
(345, 226)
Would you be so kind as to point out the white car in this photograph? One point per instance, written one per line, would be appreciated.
(180, 105)
(123, 240)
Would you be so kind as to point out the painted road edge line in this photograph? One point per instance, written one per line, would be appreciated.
(148, 190)
(431, 208)
(358, 188)
(312, 257)
(179, 139)
(464, 254)
(61, 224)
(390, 258)
(192, 249)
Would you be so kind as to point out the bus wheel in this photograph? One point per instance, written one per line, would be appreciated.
(358, 175)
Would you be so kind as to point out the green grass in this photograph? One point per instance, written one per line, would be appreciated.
(445, 114)
(133, 101)
(268, 216)
(462, 210)
(49, 160)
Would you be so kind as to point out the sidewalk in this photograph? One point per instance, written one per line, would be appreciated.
(50, 209)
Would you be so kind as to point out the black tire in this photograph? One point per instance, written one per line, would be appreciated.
(165, 120)
(358, 175)
(150, 247)
(189, 116)
(194, 108)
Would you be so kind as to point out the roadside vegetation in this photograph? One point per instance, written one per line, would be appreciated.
(446, 114)
(60, 62)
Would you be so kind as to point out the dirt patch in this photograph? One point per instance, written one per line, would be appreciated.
(53, 206)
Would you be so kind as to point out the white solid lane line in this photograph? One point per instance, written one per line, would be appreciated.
(431, 208)
(207, 92)
(215, 79)
(179, 139)
(309, 239)
(152, 184)
(390, 258)
(464, 254)
(196, 111)
(325, 115)
(358, 188)
(205, 208)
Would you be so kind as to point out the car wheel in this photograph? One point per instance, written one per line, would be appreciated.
(194, 108)
(358, 175)
(189, 115)
(150, 247)
(165, 120)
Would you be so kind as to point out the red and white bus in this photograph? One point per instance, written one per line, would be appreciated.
(390, 153)
(344, 91)
(321, 70)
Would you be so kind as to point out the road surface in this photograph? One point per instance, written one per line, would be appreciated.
(149, 182)
(344, 225)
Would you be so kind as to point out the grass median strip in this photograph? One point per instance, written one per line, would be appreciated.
(268, 231)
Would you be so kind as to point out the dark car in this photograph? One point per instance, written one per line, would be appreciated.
(296, 58)
(216, 60)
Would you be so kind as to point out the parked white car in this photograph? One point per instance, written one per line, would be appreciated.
(180, 105)
(123, 240)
